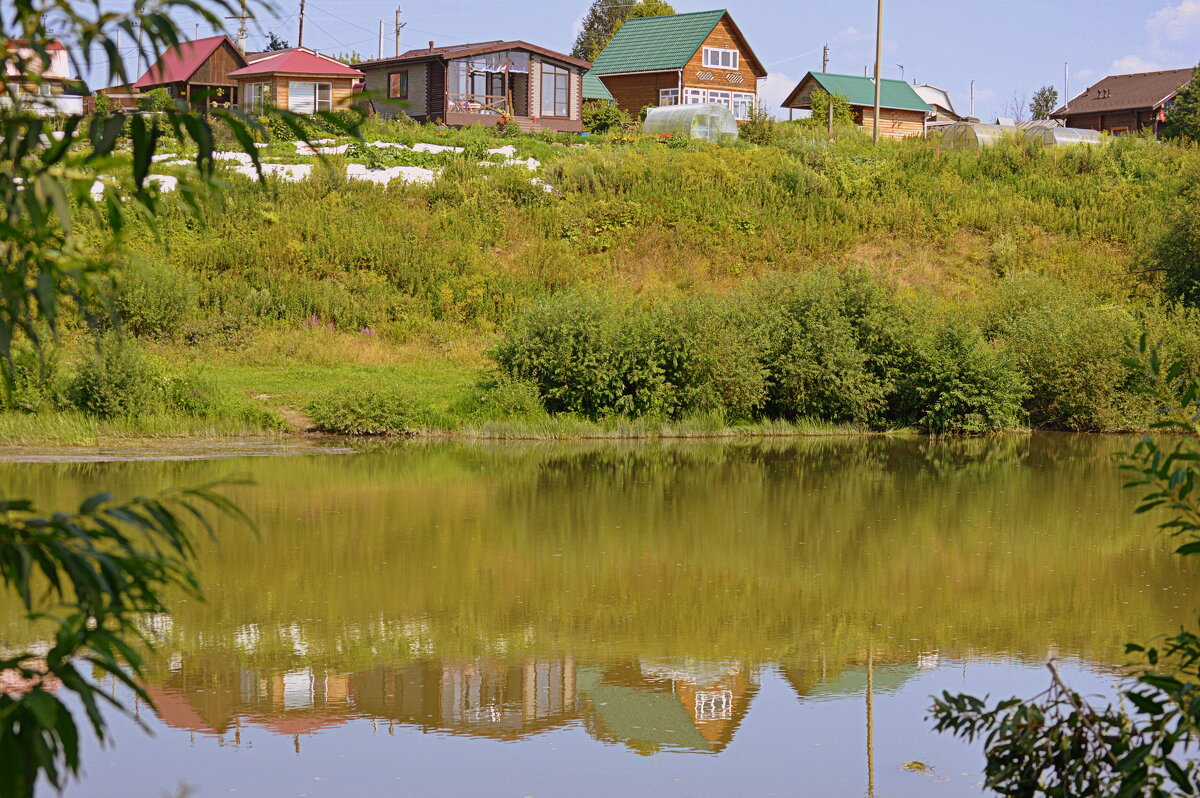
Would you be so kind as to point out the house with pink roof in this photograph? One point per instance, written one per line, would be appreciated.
(196, 72)
(298, 80)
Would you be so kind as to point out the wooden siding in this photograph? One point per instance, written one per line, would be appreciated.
(341, 89)
(216, 68)
(435, 94)
(634, 92)
(893, 122)
(418, 79)
(1118, 121)
(723, 37)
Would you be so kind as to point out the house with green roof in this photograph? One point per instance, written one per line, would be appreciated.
(700, 57)
(902, 112)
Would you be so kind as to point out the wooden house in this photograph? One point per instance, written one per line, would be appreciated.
(480, 84)
(298, 80)
(197, 72)
(902, 112)
(47, 84)
(700, 57)
(1125, 103)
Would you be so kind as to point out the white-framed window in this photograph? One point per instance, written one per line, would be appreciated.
(693, 96)
(719, 58)
(668, 96)
(720, 98)
(307, 98)
(742, 103)
(256, 98)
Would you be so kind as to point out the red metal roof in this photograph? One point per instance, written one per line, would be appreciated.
(177, 65)
(296, 62)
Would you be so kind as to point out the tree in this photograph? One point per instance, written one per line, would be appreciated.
(1016, 108)
(275, 43)
(1183, 115)
(108, 562)
(1178, 251)
(1059, 744)
(1045, 100)
(348, 57)
(606, 17)
(842, 112)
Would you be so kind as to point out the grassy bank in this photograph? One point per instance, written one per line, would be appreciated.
(1011, 279)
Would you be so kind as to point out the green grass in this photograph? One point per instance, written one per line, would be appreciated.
(74, 428)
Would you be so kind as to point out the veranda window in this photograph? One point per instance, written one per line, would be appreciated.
(556, 91)
(256, 98)
(482, 84)
(668, 96)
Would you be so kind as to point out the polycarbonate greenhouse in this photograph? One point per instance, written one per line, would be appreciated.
(1061, 136)
(973, 135)
(699, 121)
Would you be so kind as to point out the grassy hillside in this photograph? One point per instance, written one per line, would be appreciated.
(297, 294)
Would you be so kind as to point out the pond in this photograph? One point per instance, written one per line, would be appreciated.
(611, 618)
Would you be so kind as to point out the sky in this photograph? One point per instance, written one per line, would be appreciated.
(1006, 47)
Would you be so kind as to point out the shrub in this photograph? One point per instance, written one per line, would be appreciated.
(759, 127)
(155, 300)
(503, 398)
(116, 379)
(1178, 251)
(601, 116)
(103, 105)
(156, 101)
(385, 410)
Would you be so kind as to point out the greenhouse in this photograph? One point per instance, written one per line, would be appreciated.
(973, 135)
(701, 121)
(1061, 136)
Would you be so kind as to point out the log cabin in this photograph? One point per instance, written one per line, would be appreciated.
(197, 72)
(1125, 103)
(902, 112)
(299, 80)
(701, 57)
(484, 83)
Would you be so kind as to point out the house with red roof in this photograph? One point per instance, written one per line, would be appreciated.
(197, 72)
(298, 80)
(45, 76)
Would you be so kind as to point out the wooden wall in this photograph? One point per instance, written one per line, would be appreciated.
(1118, 121)
(418, 89)
(216, 68)
(634, 92)
(340, 90)
(723, 37)
(893, 122)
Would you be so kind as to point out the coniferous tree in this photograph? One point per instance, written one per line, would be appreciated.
(1183, 117)
(606, 17)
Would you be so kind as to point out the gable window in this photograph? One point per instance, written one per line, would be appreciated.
(556, 91)
(668, 96)
(720, 58)
(307, 98)
(398, 85)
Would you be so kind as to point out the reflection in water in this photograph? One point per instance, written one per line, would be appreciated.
(652, 596)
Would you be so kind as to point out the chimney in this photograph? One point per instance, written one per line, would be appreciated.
(431, 44)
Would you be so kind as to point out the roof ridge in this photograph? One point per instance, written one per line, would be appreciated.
(683, 14)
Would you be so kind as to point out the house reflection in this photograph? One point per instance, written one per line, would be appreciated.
(649, 706)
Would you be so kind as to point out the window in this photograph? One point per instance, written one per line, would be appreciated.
(668, 96)
(738, 102)
(742, 103)
(256, 97)
(720, 59)
(693, 96)
(398, 85)
(308, 98)
(556, 90)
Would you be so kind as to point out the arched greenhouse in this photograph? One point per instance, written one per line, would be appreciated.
(973, 135)
(700, 121)
(1061, 136)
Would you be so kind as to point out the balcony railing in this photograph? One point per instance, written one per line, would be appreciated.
(479, 104)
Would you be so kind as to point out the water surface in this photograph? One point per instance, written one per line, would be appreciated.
(669, 618)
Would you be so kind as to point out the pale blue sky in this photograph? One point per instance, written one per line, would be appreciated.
(1010, 46)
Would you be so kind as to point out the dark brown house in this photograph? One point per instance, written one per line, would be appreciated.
(197, 72)
(480, 84)
(1125, 103)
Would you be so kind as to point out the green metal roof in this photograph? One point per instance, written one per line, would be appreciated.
(594, 88)
(861, 91)
(645, 44)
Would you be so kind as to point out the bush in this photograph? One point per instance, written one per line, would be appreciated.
(155, 300)
(601, 116)
(365, 411)
(759, 127)
(115, 380)
(1178, 251)
(504, 398)
(156, 101)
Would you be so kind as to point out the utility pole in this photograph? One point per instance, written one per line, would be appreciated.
(381, 40)
(972, 99)
(139, 50)
(878, 67)
(1066, 86)
(300, 38)
(829, 103)
(399, 25)
(241, 31)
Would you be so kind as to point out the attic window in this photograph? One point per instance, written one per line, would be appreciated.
(720, 58)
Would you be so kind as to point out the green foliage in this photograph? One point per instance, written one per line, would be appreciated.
(605, 18)
(275, 43)
(1059, 743)
(1044, 101)
(1178, 251)
(104, 105)
(154, 301)
(156, 101)
(1183, 115)
(759, 127)
(503, 398)
(383, 410)
(842, 113)
(602, 116)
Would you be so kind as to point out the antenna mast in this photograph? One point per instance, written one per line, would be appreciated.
(399, 25)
